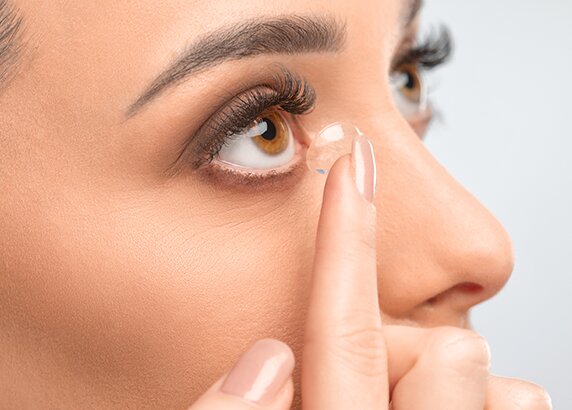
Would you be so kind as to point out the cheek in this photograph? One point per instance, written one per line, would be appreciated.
(249, 279)
(149, 294)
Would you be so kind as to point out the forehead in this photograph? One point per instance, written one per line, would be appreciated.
(185, 19)
(129, 42)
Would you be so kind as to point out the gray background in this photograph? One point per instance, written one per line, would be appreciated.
(506, 135)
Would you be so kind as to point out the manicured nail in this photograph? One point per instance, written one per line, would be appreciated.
(363, 161)
(261, 372)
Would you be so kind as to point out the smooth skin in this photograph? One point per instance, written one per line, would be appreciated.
(125, 287)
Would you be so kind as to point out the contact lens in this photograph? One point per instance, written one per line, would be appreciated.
(329, 144)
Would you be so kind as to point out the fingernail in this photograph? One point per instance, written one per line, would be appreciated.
(363, 161)
(261, 372)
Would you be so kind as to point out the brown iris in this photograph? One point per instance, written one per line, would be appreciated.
(411, 88)
(274, 136)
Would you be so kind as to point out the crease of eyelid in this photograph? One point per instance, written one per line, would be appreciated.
(290, 34)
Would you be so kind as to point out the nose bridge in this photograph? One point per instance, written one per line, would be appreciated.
(435, 238)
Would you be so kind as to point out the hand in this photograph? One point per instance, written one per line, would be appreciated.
(352, 361)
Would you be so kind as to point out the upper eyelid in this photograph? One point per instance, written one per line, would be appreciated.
(290, 92)
(297, 101)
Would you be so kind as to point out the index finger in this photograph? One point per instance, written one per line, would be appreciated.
(344, 361)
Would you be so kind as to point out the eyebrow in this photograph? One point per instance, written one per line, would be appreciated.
(292, 34)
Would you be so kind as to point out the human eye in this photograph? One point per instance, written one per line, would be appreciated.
(408, 76)
(254, 137)
(409, 91)
(267, 143)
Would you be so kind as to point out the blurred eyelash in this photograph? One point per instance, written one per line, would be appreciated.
(434, 50)
(286, 91)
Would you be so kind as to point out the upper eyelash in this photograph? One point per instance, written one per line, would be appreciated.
(435, 50)
(287, 91)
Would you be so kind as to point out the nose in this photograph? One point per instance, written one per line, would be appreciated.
(440, 251)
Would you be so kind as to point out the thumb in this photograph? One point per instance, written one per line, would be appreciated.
(261, 379)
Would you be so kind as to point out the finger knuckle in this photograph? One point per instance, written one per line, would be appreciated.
(361, 349)
(356, 255)
(461, 349)
(530, 396)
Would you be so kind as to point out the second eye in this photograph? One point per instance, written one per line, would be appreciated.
(267, 143)
(409, 91)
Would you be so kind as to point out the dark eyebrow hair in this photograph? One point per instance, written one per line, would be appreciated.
(292, 34)
(10, 45)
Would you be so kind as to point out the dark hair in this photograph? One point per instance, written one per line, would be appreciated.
(10, 44)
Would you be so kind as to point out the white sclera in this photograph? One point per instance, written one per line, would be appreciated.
(329, 144)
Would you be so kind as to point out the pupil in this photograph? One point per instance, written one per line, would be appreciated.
(270, 132)
(410, 81)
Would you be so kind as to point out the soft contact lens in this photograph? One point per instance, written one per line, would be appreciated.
(329, 144)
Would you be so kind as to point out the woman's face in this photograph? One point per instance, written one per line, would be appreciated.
(132, 270)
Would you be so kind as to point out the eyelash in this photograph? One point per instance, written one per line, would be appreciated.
(434, 50)
(288, 92)
(294, 95)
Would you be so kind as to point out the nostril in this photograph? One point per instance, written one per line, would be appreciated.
(469, 287)
(460, 290)
(432, 301)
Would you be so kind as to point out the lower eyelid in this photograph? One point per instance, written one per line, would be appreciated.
(235, 177)
(250, 182)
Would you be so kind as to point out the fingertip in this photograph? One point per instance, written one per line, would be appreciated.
(341, 198)
(261, 378)
(339, 177)
(352, 179)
